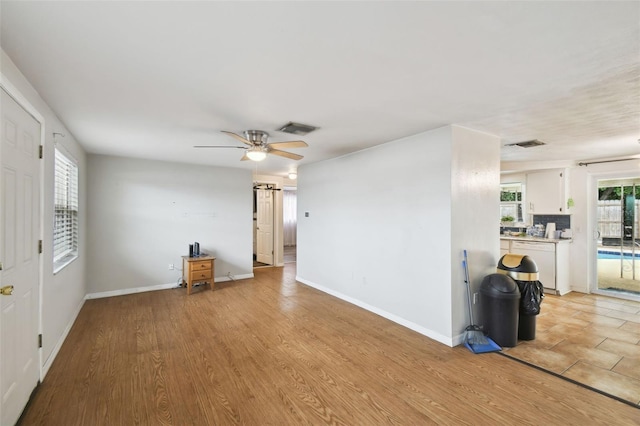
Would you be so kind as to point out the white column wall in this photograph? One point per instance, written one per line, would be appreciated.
(380, 233)
(144, 214)
(475, 210)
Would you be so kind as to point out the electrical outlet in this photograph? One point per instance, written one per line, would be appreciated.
(171, 267)
(475, 298)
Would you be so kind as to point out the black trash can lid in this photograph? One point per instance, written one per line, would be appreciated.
(519, 267)
(499, 285)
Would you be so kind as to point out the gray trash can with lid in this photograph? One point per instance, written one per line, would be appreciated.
(524, 271)
(500, 300)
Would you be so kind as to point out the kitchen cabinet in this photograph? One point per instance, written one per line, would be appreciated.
(544, 254)
(546, 192)
(551, 257)
(504, 247)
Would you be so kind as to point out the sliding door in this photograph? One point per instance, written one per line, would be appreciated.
(619, 236)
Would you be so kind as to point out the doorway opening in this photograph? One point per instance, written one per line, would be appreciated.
(263, 226)
(618, 257)
(290, 223)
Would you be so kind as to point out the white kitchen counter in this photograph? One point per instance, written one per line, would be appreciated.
(536, 239)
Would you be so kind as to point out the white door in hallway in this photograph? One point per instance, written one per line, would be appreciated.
(264, 233)
(20, 230)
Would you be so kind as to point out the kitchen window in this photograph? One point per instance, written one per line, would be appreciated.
(65, 226)
(511, 201)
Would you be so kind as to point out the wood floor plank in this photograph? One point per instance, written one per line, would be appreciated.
(584, 307)
(628, 367)
(606, 380)
(602, 320)
(631, 327)
(269, 350)
(585, 339)
(614, 333)
(633, 317)
(628, 350)
(548, 359)
(618, 307)
(599, 357)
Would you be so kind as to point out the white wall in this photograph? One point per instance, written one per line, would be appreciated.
(475, 210)
(381, 232)
(62, 295)
(144, 214)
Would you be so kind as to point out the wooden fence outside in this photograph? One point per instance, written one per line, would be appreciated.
(610, 219)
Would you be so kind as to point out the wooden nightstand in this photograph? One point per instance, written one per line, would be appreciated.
(197, 270)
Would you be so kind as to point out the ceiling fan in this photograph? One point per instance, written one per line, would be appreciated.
(257, 147)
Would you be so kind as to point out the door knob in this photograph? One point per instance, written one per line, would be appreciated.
(7, 290)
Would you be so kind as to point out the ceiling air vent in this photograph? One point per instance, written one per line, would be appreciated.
(527, 144)
(297, 128)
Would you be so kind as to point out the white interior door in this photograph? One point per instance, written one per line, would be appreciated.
(19, 221)
(264, 232)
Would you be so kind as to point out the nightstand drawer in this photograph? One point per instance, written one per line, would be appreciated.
(199, 265)
(200, 275)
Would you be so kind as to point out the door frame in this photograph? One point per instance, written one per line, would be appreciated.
(264, 197)
(278, 240)
(592, 225)
(17, 95)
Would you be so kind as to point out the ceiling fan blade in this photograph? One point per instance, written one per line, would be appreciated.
(288, 144)
(218, 146)
(240, 138)
(245, 157)
(285, 154)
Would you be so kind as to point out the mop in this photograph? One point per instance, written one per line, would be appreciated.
(474, 338)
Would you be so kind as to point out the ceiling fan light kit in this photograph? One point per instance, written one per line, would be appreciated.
(256, 137)
(257, 147)
(257, 153)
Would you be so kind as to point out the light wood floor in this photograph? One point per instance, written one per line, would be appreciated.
(592, 339)
(271, 351)
(290, 254)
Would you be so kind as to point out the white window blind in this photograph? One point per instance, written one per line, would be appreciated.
(65, 228)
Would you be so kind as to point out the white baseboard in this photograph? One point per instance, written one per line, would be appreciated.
(125, 291)
(458, 339)
(47, 364)
(234, 277)
(134, 290)
(392, 317)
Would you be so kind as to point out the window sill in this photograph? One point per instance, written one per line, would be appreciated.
(62, 263)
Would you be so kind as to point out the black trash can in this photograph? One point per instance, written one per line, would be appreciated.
(526, 327)
(500, 300)
(531, 295)
(524, 271)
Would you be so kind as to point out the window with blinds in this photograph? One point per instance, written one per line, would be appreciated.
(65, 227)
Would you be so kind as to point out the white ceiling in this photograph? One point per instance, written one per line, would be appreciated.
(152, 79)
